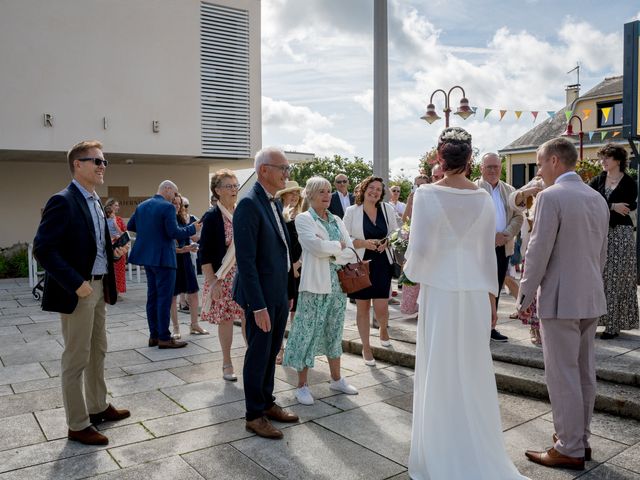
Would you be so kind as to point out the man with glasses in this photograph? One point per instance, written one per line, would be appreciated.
(263, 260)
(74, 247)
(341, 199)
(508, 220)
(157, 229)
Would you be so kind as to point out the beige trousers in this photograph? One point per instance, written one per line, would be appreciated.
(570, 370)
(85, 346)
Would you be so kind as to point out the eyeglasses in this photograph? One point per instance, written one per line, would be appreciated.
(395, 191)
(492, 167)
(342, 181)
(96, 161)
(185, 205)
(286, 169)
(231, 186)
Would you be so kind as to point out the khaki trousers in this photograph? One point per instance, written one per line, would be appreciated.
(85, 346)
(570, 370)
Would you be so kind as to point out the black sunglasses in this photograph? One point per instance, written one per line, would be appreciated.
(186, 205)
(97, 161)
(342, 181)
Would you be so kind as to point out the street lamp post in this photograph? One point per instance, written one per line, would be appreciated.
(570, 133)
(464, 110)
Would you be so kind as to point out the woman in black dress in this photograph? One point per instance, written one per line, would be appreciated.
(369, 222)
(620, 274)
(186, 281)
(291, 200)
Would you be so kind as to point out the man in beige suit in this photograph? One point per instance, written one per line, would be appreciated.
(508, 220)
(565, 261)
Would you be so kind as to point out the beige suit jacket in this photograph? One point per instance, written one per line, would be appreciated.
(567, 252)
(514, 216)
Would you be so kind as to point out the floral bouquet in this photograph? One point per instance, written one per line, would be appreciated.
(399, 241)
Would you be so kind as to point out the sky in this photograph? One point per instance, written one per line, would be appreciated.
(317, 68)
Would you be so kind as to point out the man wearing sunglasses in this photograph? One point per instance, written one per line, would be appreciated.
(74, 247)
(341, 199)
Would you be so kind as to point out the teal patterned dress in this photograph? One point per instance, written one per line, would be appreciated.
(317, 325)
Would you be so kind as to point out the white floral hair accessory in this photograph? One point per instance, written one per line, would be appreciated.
(455, 134)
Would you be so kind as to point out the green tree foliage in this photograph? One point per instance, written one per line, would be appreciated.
(356, 170)
(14, 262)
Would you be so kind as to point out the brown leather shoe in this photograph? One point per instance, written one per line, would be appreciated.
(153, 342)
(277, 413)
(587, 450)
(173, 343)
(263, 428)
(111, 414)
(88, 436)
(553, 458)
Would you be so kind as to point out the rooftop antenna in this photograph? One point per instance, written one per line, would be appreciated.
(577, 70)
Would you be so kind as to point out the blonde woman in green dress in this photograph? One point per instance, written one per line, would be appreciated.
(317, 327)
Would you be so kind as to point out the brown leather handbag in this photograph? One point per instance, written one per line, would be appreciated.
(354, 276)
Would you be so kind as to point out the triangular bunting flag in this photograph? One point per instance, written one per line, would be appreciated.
(551, 114)
(591, 134)
(487, 111)
(586, 112)
(606, 111)
(518, 113)
(603, 134)
(535, 116)
(474, 109)
(568, 114)
(615, 134)
(502, 112)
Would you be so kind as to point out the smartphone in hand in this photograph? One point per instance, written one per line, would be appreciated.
(122, 240)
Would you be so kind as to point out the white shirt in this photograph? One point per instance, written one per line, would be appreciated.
(344, 200)
(274, 209)
(399, 206)
(565, 174)
(501, 211)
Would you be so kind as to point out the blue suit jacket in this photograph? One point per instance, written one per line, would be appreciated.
(261, 255)
(65, 246)
(156, 226)
(335, 206)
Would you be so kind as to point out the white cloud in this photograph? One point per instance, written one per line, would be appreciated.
(365, 100)
(323, 144)
(291, 118)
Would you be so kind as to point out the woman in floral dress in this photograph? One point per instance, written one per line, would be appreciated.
(317, 327)
(219, 266)
(121, 265)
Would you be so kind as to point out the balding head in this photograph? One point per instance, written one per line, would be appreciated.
(167, 190)
(490, 168)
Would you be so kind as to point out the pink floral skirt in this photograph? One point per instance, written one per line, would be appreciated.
(225, 309)
(409, 303)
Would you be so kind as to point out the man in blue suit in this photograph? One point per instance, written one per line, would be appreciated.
(74, 247)
(260, 288)
(341, 199)
(157, 228)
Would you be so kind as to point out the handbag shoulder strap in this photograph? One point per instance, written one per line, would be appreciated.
(357, 256)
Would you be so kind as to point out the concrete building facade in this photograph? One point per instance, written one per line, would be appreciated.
(171, 88)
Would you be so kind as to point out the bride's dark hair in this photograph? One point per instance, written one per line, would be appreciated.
(454, 149)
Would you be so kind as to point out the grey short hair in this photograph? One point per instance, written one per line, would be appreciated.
(563, 148)
(264, 155)
(314, 185)
(167, 184)
(489, 154)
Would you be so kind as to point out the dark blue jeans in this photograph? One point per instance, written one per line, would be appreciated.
(160, 284)
(260, 359)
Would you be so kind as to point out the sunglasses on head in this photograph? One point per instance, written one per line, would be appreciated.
(342, 181)
(97, 161)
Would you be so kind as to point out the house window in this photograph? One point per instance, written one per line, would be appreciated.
(615, 114)
(533, 169)
(517, 175)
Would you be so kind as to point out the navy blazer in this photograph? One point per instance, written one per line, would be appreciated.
(335, 206)
(261, 255)
(157, 227)
(65, 247)
(213, 245)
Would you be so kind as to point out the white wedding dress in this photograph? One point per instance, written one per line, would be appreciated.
(457, 431)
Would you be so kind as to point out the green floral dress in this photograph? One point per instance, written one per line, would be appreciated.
(317, 325)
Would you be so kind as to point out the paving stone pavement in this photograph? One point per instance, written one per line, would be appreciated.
(187, 423)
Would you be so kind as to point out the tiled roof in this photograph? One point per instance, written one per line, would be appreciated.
(554, 127)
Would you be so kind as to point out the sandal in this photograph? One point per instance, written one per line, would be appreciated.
(176, 332)
(534, 334)
(280, 356)
(514, 315)
(229, 377)
(198, 330)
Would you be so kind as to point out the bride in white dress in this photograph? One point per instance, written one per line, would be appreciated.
(457, 431)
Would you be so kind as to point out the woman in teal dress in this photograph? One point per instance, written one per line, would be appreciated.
(317, 326)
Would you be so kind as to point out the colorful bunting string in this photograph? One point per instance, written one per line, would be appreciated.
(568, 114)
(502, 112)
(487, 111)
(606, 111)
(586, 112)
(535, 116)
(518, 113)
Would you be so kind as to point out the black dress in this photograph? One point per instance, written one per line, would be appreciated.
(296, 252)
(186, 281)
(379, 266)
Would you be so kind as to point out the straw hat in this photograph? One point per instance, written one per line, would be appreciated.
(290, 186)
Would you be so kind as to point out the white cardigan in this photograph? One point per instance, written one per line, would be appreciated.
(318, 252)
(354, 218)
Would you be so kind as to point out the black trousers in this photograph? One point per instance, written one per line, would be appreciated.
(260, 359)
(503, 266)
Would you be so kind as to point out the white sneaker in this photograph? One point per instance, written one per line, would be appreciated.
(342, 386)
(303, 394)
